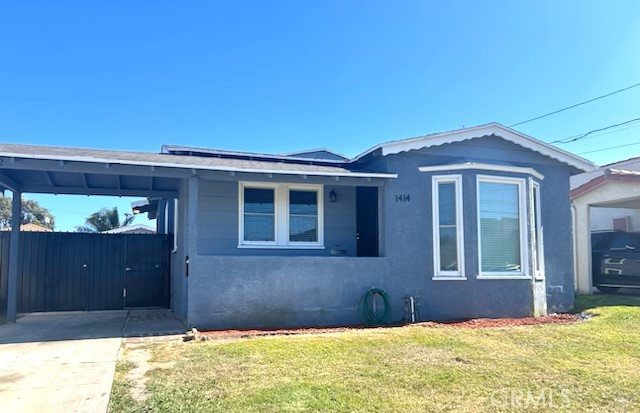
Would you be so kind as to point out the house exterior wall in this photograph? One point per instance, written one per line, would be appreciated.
(266, 292)
(218, 211)
(408, 231)
(236, 288)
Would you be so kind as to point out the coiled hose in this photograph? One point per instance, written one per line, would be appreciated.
(366, 311)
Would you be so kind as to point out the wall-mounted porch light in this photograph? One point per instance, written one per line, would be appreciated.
(333, 196)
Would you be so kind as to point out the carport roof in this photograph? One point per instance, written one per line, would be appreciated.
(175, 161)
(52, 169)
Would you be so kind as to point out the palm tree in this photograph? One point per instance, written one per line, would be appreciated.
(105, 220)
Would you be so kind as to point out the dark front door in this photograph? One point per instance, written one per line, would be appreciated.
(367, 221)
(146, 271)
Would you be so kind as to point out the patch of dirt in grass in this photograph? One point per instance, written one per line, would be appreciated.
(415, 354)
(139, 356)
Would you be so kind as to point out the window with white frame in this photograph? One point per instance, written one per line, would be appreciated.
(502, 226)
(279, 215)
(448, 243)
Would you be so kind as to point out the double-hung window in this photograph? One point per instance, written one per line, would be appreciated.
(280, 215)
(448, 240)
(502, 227)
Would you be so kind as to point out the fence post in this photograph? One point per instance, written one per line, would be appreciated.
(14, 257)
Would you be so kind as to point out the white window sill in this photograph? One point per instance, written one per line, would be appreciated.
(503, 277)
(449, 278)
(281, 247)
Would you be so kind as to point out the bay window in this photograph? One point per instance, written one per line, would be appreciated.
(279, 215)
(448, 240)
(502, 227)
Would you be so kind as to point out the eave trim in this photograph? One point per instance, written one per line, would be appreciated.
(482, 167)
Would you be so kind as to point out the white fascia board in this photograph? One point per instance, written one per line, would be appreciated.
(482, 167)
(496, 129)
(198, 167)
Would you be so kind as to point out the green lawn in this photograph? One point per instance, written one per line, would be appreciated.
(583, 367)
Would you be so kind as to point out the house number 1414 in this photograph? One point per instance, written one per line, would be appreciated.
(403, 198)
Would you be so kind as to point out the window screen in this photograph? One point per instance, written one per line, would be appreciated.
(259, 214)
(303, 216)
(499, 227)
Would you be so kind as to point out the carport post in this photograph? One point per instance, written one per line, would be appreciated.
(14, 255)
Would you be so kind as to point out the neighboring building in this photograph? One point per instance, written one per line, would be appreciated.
(453, 220)
(132, 229)
(607, 198)
(30, 228)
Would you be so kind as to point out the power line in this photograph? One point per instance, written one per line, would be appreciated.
(585, 134)
(576, 105)
(611, 147)
(613, 131)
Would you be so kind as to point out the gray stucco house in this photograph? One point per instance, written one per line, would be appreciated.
(455, 220)
(469, 223)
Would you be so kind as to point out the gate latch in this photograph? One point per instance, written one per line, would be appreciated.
(124, 292)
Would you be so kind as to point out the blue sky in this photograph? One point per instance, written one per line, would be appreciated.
(281, 76)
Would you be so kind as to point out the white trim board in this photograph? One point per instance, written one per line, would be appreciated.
(482, 167)
(490, 129)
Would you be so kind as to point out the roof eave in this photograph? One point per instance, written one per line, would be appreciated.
(346, 174)
(394, 147)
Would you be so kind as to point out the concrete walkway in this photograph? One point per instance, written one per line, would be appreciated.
(65, 362)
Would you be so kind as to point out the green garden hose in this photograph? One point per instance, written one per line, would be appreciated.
(366, 311)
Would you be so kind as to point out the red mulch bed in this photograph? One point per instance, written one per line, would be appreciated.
(471, 323)
(283, 332)
(504, 322)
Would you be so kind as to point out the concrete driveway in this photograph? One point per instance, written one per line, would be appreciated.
(65, 362)
(59, 362)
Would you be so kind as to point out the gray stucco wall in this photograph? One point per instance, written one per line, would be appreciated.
(226, 290)
(218, 221)
(250, 292)
(408, 230)
(558, 240)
